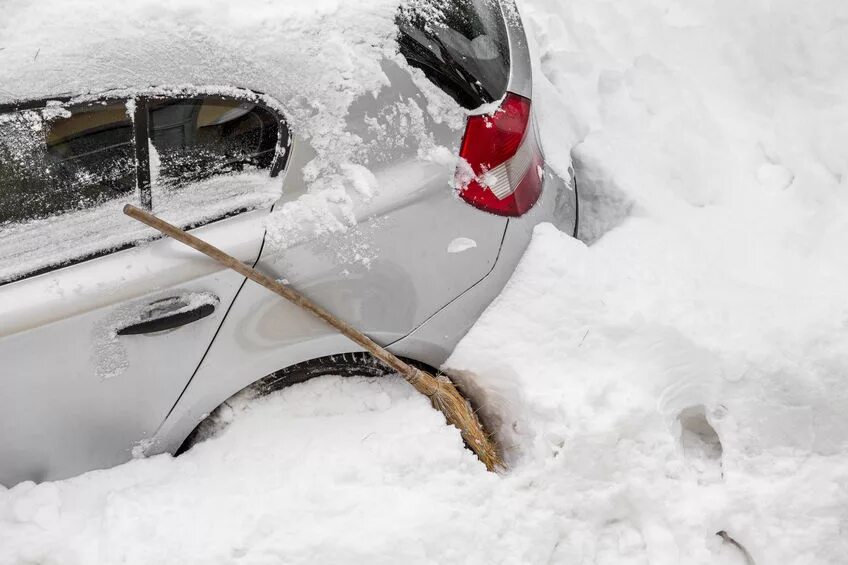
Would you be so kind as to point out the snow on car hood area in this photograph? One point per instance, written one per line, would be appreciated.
(673, 392)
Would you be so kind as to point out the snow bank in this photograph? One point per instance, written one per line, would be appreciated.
(285, 483)
(690, 362)
(646, 402)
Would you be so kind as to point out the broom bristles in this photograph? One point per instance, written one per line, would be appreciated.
(447, 399)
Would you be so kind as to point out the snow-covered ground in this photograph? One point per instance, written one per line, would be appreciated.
(681, 376)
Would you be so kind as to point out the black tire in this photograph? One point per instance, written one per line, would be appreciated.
(358, 364)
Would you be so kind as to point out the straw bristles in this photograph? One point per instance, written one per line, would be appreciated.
(458, 412)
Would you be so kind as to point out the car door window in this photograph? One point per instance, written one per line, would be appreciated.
(199, 138)
(90, 155)
(65, 172)
(77, 160)
(210, 155)
(23, 178)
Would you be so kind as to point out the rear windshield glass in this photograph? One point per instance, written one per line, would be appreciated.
(461, 45)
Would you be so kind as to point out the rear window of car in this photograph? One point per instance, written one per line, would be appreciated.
(461, 46)
(67, 169)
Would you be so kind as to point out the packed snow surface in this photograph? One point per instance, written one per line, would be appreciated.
(680, 377)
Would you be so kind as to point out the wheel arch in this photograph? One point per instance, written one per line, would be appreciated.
(204, 395)
(358, 363)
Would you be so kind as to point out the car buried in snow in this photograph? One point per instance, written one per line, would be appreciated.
(115, 343)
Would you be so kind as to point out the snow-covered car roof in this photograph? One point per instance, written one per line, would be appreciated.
(314, 57)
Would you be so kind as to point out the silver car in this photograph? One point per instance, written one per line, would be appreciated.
(115, 343)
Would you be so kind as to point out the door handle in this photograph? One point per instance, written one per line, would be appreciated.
(172, 313)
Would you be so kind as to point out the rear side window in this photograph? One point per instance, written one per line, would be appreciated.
(65, 172)
(461, 45)
(199, 138)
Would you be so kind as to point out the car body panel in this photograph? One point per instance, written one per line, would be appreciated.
(74, 395)
(98, 283)
(435, 339)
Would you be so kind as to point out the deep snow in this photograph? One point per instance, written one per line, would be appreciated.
(681, 376)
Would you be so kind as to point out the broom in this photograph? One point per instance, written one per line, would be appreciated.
(439, 389)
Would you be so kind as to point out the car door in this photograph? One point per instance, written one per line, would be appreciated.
(99, 334)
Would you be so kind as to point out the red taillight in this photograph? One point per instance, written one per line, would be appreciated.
(506, 161)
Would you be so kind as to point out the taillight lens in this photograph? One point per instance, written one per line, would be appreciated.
(505, 159)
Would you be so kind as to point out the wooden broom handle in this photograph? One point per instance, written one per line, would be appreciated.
(409, 372)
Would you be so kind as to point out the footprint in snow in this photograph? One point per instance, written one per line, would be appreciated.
(701, 445)
(702, 451)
